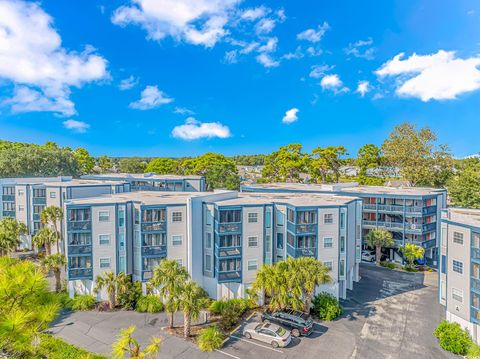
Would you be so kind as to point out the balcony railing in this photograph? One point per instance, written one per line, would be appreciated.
(79, 225)
(429, 210)
(229, 251)
(8, 198)
(302, 252)
(306, 228)
(80, 273)
(39, 200)
(154, 226)
(229, 227)
(159, 251)
(476, 254)
(229, 276)
(389, 225)
(9, 213)
(79, 249)
(390, 208)
(429, 244)
(36, 216)
(369, 206)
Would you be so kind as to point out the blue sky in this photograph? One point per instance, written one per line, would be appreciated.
(183, 77)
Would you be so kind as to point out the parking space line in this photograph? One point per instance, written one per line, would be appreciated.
(260, 345)
(227, 354)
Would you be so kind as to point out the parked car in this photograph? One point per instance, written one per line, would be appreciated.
(298, 322)
(420, 262)
(270, 333)
(368, 256)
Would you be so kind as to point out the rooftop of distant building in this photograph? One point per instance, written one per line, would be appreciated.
(465, 216)
(139, 176)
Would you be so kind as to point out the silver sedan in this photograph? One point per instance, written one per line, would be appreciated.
(269, 333)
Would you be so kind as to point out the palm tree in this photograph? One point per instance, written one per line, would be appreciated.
(109, 281)
(45, 237)
(379, 238)
(10, 232)
(191, 300)
(411, 252)
(126, 344)
(313, 273)
(55, 262)
(51, 215)
(169, 276)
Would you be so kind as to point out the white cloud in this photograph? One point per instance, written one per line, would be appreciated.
(319, 71)
(198, 22)
(265, 26)
(270, 46)
(313, 35)
(231, 57)
(298, 54)
(128, 83)
(32, 57)
(183, 111)
(254, 13)
(267, 61)
(332, 82)
(361, 49)
(193, 130)
(150, 98)
(439, 76)
(290, 116)
(76, 126)
(363, 87)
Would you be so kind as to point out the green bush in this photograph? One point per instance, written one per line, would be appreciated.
(55, 348)
(230, 310)
(453, 338)
(83, 302)
(210, 338)
(149, 303)
(129, 294)
(64, 300)
(388, 265)
(473, 351)
(326, 306)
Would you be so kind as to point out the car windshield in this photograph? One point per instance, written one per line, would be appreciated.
(280, 331)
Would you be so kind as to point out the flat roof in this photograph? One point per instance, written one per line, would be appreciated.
(84, 182)
(140, 176)
(352, 188)
(465, 216)
(33, 180)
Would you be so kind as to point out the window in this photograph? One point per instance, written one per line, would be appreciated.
(443, 290)
(253, 242)
(231, 216)
(444, 237)
(208, 242)
(280, 218)
(154, 239)
(279, 240)
(230, 240)
(342, 267)
(457, 266)
(252, 217)
(103, 216)
(306, 217)
(444, 264)
(327, 242)
(208, 218)
(21, 208)
(290, 215)
(21, 192)
(153, 215)
(38, 192)
(53, 195)
(104, 239)
(458, 238)
(121, 241)
(208, 262)
(176, 216)
(177, 240)
(342, 220)
(328, 218)
(121, 218)
(252, 264)
(104, 262)
(457, 294)
(8, 191)
(37, 209)
(268, 219)
(342, 244)
(328, 264)
(8, 206)
(121, 264)
(476, 240)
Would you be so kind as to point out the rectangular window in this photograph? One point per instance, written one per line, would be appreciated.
(252, 264)
(279, 240)
(476, 240)
(121, 264)
(21, 192)
(290, 215)
(280, 218)
(329, 265)
(328, 218)
(444, 264)
(21, 208)
(121, 218)
(327, 242)
(458, 238)
(342, 244)
(103, 216)
(253, 242)
(121, 241)
(457, 294)
(9, 191)
(457, 266)
(176, 216)
(53, 195)
(443, 290)
(342, 220)
(104, 239)
(104, 262)
(231, 216)
(230, 240)
(342, 267)
(208, 218)
(268, 243)
(475, 271)
(177, 240)
(208, 262)
(252, 217)
(39, 192)
(208, 242)
(268, 219)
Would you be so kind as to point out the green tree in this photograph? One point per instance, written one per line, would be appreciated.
(126, 344)
(54, 263)
(369, 156)
(86, 162)
(286, 164)
(51, 215)
(191, 300)
(313, 273)
(169, 277)
(210, 339)
(379, 238)
(109, 281)
(45, 237)
(10, 232)
(416, 155)
(411, 252)
(132, 165)
(105, 163)
(464, 186)
(163, 166)
(326, 160)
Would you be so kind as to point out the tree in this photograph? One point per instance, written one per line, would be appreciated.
(379, 238)
(415, 154)
(326, 160)
(169, 277)
(109, 281)
(313, 273)
(163, 166)
(10, 232)
(127, 344)
(191, 300)
(105, 163)
(132, 165)
(86, 162)
(52, 215)
(369, 156)
(411, 252)
(55, 262)
(464, 186)
(210, 339)
(45, 237)
(286, 164)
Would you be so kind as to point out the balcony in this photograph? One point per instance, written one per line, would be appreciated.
(302, 252)
(390, 208)
(429, 244)
(154, 251)
(388, 225)
(39, 200)
(36, 217)
(154, 226)
(230, 227)
(80, 273)
(79, 249)
(79, 225)
(475, 285)
(223, 252)
(9, 214)
(370, 207)
(8, 198)
(429, 210)
(475, 253)
(230, 276)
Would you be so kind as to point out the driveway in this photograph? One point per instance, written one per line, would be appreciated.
(389, 314)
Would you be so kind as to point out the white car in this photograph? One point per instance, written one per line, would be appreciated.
(368, 256)
(270, 333)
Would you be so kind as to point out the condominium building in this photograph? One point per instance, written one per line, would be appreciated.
(221, 237)
(410, 213)
(154, 182)
(459, 274)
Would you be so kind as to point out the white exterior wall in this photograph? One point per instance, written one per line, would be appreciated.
(177, 252)
(252, 253)
(24, 212)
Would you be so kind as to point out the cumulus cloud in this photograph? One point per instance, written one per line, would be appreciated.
(267, 61)
(319, 71)
(265, 26)
(76, 126)
(439, 76)
(32, 58)
(290, 116)
(363, 87)
(333, 83)
(361, 49)
(314, 35)
(151, 97)
(193, 130)
(128, 83)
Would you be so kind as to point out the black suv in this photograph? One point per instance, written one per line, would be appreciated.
(299, 323)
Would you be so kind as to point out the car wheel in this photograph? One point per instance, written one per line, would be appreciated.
(248, 335)
(296, 333)
(274, 344)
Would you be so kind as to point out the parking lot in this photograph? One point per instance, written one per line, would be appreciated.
(389, 314)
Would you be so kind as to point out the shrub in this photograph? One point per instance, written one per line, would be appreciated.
(83, 302)
(55, 348)
(326, 306)
(64, 300)
(103, 306)
(230, 310)
(473, 351)
(129, 294)
(453, 338)
(210, 338)
(217, 306)
(149, 303)
(229, 317)
(388, 265)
